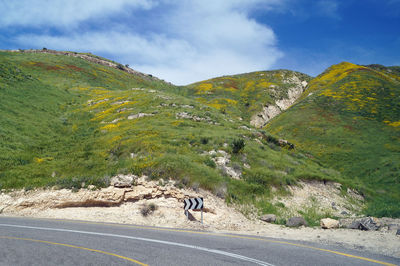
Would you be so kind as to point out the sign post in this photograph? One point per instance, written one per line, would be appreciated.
(194, 204)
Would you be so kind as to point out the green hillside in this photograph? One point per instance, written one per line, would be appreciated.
(66, 122)
(246, 94)
(349, 119)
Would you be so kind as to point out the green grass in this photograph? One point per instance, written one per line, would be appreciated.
(349, 124)
(245, 94)
(69, 123)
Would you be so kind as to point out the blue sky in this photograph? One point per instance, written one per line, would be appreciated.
(185, 41)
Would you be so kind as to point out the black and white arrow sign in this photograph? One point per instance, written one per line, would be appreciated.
(193, 204)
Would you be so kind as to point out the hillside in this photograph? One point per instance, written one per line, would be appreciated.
(67, 122)
(254, 97)
(349, 119)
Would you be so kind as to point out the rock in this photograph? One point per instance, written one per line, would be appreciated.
(329, 223)
(139, 115)
(296, 222)
(344, 213)
(370, 224)
(398, 232)
(354, 225)
(269, 218)
(122, 181)
(269, 111)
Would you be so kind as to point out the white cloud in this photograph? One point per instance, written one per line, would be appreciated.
(60, 13)
(192, 40)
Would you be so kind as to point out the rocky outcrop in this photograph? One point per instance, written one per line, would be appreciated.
(122, 180)
(222, 162)
(328, 223)
(269, 111)
(139, 115)
(121, 191)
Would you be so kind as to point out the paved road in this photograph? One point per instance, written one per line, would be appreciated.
(26, 241)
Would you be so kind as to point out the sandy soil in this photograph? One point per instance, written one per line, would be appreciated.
(169, 213)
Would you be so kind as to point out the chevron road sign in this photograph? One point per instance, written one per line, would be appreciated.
(193, 204)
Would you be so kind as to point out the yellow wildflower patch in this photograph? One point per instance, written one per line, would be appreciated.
(115, 139)
(264, 84)
(39, 160)
(394, 124)
(177, 122)
(110, 126)
(204, 88)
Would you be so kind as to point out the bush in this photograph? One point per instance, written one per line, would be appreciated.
(148, 209)
(210, 162)
(204, 140)
(237, 145)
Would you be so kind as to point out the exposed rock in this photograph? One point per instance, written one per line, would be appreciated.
(269, 111)
(398, 232)
(222, 163)
(293, 94)
(354, 225)
(370, 224)
(329, 223)
(139, 115)
(122, 180)
(195, 118)
(120, 102)
(269, 218)
(296, 222)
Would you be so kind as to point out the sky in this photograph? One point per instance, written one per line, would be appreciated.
(185, 41)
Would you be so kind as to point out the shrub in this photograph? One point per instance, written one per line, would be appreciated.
(237, 145)
(204, 140)
(148, 209)
(210, 162)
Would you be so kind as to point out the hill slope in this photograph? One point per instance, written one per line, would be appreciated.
(349, 118)
(68, 122)
(255, 97)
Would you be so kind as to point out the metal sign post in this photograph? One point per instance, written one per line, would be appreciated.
(193, 204)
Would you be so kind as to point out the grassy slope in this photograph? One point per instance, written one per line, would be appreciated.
(349, 118)
(245, 94)
(64, 122)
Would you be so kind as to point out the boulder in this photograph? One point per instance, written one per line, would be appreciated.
(354, 225)
(269, 218)
(122, 181)
(296, 222)
(398, 232)
(329, 223)
(370, 224)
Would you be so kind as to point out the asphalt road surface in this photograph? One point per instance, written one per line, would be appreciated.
(27, 241)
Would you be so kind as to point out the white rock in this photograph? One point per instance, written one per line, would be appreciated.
(122, 180)
(328, 223)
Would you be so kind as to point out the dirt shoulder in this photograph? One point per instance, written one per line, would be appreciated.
(125, 205)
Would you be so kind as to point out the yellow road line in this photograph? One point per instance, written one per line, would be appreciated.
(226, 235)
(72, 246)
